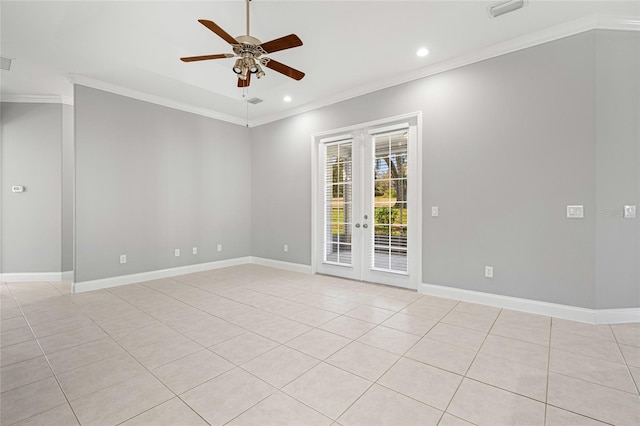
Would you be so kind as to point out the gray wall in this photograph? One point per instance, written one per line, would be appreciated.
(151, 179)
(507, 144)
(68, 174)
(617, 96)
(31, 156)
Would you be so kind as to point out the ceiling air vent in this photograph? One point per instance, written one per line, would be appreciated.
(503, 7)
(254, 101)
(5, 63)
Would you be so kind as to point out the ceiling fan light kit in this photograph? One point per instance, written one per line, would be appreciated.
(249, 51)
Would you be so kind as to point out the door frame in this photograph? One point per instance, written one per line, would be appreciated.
(415, 179)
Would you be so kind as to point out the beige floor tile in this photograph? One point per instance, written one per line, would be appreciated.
(473, 321)
(143, 336)
(282, 410)
(12, 323)
(284, 307)
(422, 382)
(310, 299)
(27, 401)
(280, 366)
(457, 336)
(243, 348)
(313, 317)
(509, 375)
(24, 373)
(559, 417)
(477, 309)
(281, 329)
(119, 326)
(592, 370)
(389, 339)
(209, 336)
(318, 343)
(99, 375)
(327, 389)
(192, 370)
(363, 360)
(635, 373)
(410, 324)
(449, 420)
(600, 349)
(62, 415)
(10, 312)
(338, 306)
(442, 355)
(348, 327)
(595, 401)
(631, 355)
(517, 331)
(524, 319)
(121, 401)
(517, 350)
(482, 404)
(164, 351)
(221, 399)
(382, 406)
(627, 334)
(13, 337)
(593, 331)
(425, 310)
(370, 314)
(391, 303)
(20, 352)
(84, 354)
(170, 413)
(60, 326)
(68, 339)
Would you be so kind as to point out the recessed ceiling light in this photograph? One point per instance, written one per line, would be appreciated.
(287, 99)
(423, 51)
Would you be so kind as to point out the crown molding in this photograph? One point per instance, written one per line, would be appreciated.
(38, 99)
(592, 22)
(154, 99)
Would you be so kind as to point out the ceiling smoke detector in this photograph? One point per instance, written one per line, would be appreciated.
(503, 7)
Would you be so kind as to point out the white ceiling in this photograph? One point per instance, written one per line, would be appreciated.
(350, 47)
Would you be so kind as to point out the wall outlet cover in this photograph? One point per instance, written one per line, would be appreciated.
(488, 271)
(177, 252)
(285, 248)
(575, 212)
(195, 250)
(123, 258)
(629, 212)
(434, 211)
(219, 247)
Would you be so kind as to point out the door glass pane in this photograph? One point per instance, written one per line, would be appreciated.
(390, 214)
(338, 203)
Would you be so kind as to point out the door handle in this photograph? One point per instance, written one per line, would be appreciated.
(365, 225)
(358, 225)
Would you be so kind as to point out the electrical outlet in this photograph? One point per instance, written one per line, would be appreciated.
(434, 211)
(286, 248)
(219, 247)
(575, 212)
(195, 250)
(488, 271)
(177, 252)
(123, 258)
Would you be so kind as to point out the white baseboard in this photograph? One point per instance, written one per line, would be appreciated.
(80, 287)
(30, 277)
(573, 313)
(295, 267)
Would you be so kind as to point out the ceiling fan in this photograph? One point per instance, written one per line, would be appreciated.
(249, 51)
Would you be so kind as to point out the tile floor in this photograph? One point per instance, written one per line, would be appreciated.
(251, 345)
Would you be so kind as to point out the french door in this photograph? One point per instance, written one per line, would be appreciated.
(366, 205)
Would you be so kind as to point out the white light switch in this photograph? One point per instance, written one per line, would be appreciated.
(177, 252)
(629, 212)
(575, 212)
(219, 247)
(195, 250)
(434, 211)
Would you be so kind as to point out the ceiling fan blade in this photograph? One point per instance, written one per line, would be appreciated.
(285, 69)
(244, 83)
(207, 57)
(282, 43)
(216, 29)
